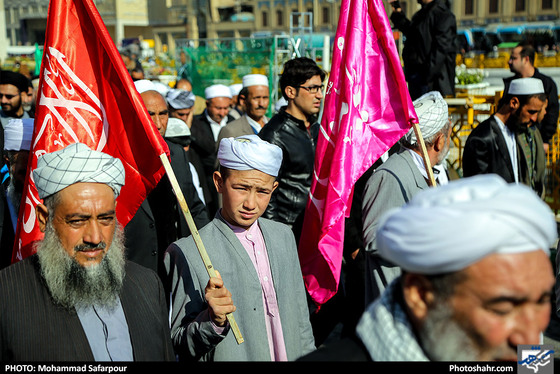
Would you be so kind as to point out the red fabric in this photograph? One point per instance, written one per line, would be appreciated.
(367, 109)
(86, 95)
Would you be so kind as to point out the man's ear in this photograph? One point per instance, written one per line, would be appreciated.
(218, 181)
(291, 92)
(514, 103)
(418, 294)
(42, 216)
(439, 144)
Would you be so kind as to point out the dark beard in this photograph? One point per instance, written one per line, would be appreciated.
(514, 124)
(74, 286)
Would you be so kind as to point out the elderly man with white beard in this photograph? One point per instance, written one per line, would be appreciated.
(401, 177)
(476, 276)
(77, 298)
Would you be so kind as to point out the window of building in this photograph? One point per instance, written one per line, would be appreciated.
(469, 7)
(493, 6)
(265, 18)
(519, 5)
(280, 17)
(326, 14)
(547, 4)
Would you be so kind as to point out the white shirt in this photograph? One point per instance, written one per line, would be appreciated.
(215, 126)
(511, 144)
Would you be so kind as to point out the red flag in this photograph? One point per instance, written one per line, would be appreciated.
(367, 109)
(86, 95)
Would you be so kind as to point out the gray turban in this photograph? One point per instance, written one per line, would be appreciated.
(180, 99)
(74, 164)
(249, 152)
(448, 228)
(433, 115)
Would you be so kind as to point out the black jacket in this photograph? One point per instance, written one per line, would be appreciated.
(298, 144)
(486, 152)
(204, 145)
(430, 47)
(160, 221)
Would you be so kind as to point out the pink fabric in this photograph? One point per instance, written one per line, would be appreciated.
(253, 242)
(367, 110)
(86, 95)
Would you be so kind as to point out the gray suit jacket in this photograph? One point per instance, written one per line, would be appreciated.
(196, 340)
(392, 185)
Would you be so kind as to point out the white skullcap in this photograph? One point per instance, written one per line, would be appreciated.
(234, 89)
(255, 80)
(77, 163)
(432, 113)
(526, 86)
(143, 85)
(162, 88)
(180, 99)
(217, 90)
(249, 152)
(448, 228)
(176, 127)
(18, 133)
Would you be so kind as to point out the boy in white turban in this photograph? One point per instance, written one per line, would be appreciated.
(260, 278)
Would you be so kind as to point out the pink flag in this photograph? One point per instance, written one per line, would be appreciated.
(86, 95)
(367, 110)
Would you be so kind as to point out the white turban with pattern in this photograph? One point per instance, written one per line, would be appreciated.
(74, 164)
(433, 114)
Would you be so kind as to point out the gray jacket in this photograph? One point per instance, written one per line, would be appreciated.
(391, 186)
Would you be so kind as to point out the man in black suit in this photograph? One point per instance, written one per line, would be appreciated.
(509, 143)
(77, 298)
(522, 65)
(160, 221)
(205, 130)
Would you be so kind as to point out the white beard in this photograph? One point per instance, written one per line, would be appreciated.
(74, 286)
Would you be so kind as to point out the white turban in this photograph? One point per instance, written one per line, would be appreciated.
(433, 115)
(217, 90)
(180, 99)
(234, 89)
(448, 228)
(176, 127)
(255, 80)
(77, 163)
(143, 85)
(17, 134)
(249, 152)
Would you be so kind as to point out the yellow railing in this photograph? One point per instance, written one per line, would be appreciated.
(467, 111)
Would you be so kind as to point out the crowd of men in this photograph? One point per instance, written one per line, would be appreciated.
(459, 270)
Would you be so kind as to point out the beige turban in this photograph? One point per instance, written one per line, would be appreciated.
(74, 164)
(248, 152)
(448, 228)
(433, 115)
